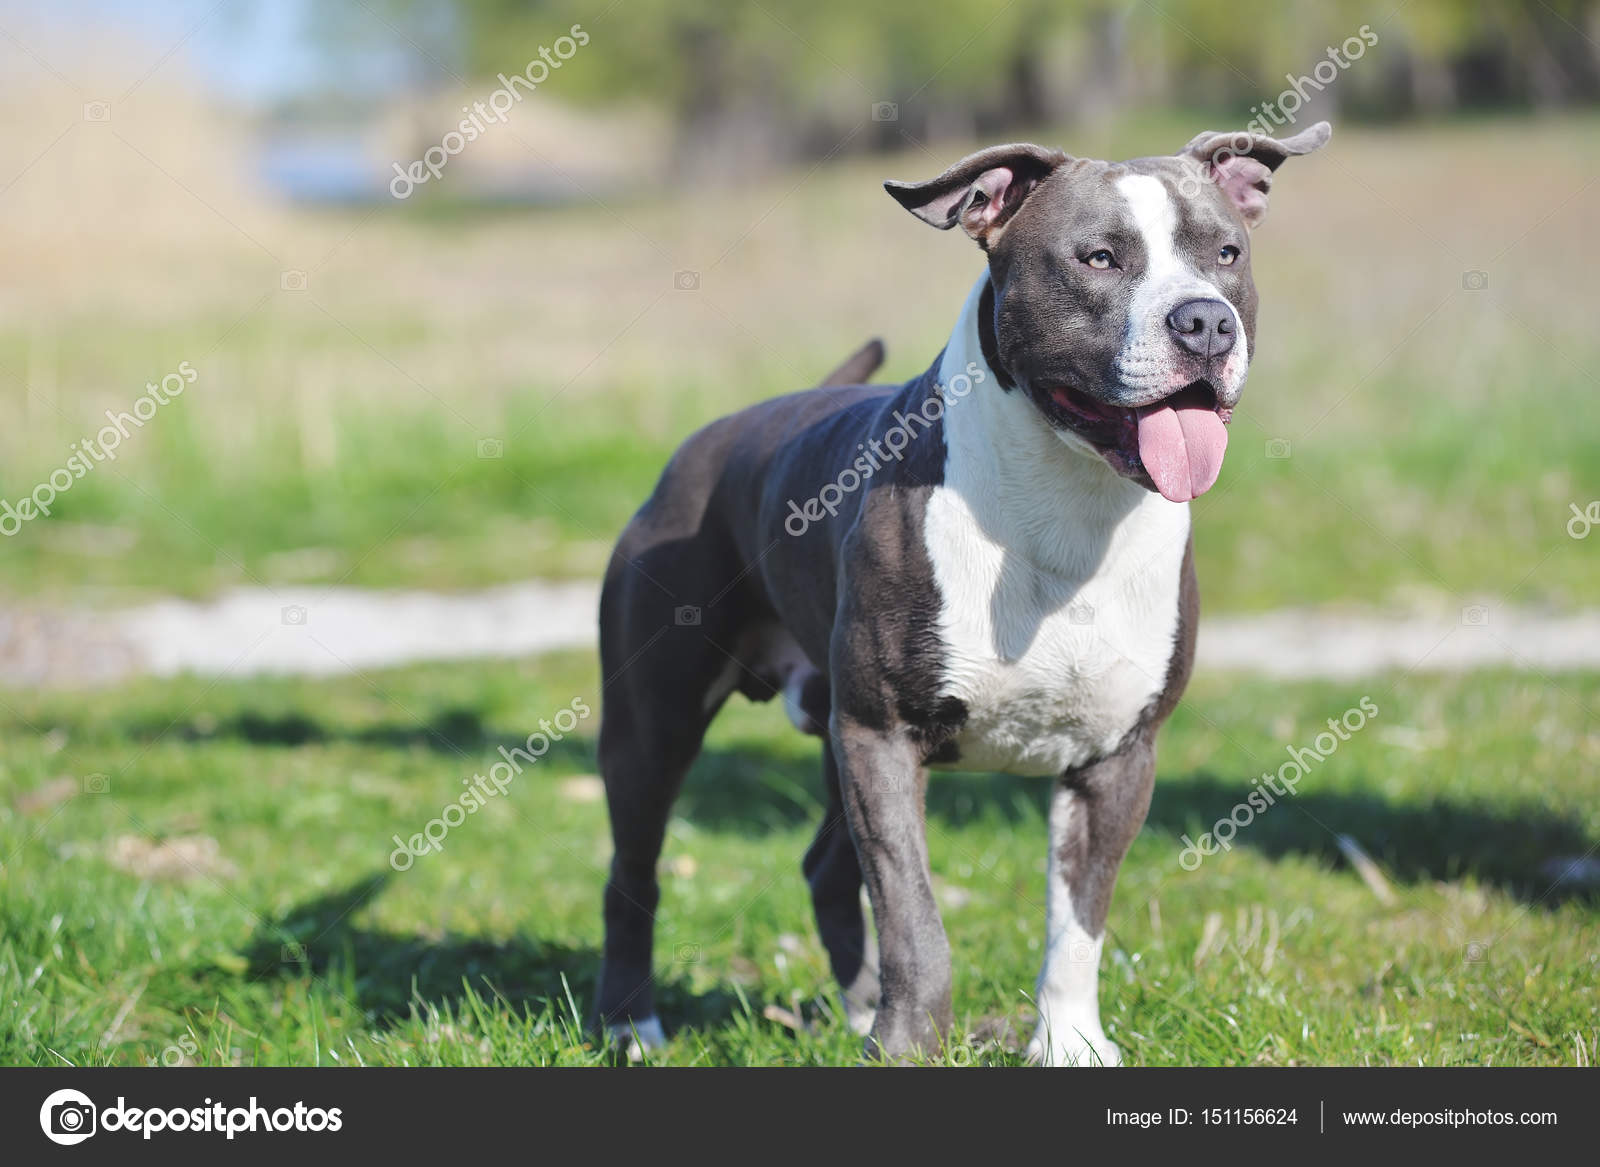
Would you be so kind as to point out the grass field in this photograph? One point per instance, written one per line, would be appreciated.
(222, 894)
(198, 872)
(1437, 433)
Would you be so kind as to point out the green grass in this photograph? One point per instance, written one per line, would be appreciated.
(292, 941)
(1458, 503)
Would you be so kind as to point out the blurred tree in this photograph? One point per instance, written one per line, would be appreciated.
(753, 81)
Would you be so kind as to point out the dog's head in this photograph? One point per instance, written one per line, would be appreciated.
(1122, 299)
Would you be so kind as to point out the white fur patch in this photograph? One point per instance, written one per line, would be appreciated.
(859, 1011)
(1069, 1032)
(793, 688)
(1149, 361)
(639, 1037)
(1058, 581)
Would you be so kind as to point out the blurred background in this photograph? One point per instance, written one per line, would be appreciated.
(680, 213)
(428, 292)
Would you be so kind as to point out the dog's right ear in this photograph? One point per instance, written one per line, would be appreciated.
(981, 192)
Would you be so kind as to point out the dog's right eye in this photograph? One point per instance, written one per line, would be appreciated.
(1101, 260)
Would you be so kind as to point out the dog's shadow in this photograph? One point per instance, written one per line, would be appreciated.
(750, 790)
(454, 730)
(391, 975)
(1513, 848)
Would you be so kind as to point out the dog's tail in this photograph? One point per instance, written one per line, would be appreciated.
(858, 366)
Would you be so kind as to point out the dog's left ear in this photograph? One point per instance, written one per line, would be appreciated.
(982, 191)
(1242, 163)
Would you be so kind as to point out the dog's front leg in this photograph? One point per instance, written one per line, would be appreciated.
(1094, 815)
(883, 782)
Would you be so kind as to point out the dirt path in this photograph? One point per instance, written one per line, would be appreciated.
(1294, 643)
(296, 630)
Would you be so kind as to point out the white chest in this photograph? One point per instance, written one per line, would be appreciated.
(1054, 669)
(1058, 582)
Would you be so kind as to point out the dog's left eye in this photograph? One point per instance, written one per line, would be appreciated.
(1227, 255)
(1100, 260)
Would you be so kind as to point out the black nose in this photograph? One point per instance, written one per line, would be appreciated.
(1204, 327)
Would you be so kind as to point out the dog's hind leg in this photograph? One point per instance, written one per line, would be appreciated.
(834, 874)
(642, 780)
(662, 685)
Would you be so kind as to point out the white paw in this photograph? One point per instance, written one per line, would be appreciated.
(860, 1017)
(1083, 1045)
(639, 1037)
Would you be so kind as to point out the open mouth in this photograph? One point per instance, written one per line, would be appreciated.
(1174, 445)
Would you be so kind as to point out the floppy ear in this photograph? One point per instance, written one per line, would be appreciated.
(1242, 163)
(982, 191)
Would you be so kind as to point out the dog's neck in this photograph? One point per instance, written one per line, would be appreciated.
(1042, 494)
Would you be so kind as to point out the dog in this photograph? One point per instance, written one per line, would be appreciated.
(988, 567)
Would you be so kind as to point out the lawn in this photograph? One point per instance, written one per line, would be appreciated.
(199, 872)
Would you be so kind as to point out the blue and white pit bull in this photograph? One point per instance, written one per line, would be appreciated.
(986, 568)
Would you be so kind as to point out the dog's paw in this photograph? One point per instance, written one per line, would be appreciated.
(1085, 1045)
(907, 1037)
(637, 1038)
(860, 1016)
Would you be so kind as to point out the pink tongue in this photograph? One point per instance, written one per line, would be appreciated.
(1181, 449)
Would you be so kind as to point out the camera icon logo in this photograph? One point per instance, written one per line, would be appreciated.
(67, 1117)
(294, 953)
(1474, 281)
(1278, 448)
(491, 448)
(1476, 952)
(1475, 616)
(885, 111)
(1080, 613)
(293, 280)
(687, 954)
(687, 616)
(97, 111)
(686, 281)
(295, 614)
(96, 784)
